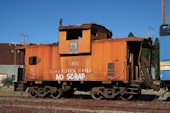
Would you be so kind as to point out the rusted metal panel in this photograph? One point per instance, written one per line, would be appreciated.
(75, 68)
(75, 46)
(106, 52)
(47, 62)
(96, 65)
(80, 26)
(86, 27)
(107, 62)
(50, 66)
(78, 39)
(94, 57)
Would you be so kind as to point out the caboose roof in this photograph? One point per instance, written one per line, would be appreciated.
(86, 26)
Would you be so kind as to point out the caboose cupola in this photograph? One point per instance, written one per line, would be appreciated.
(77, 39)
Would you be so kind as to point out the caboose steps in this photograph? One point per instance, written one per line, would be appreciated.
(134, 91)
(19, 86)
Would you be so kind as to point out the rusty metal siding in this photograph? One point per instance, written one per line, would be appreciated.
(95, 27)
(105, 52)
(83, 45)
(94, 67)
(47, 62)
(68, 36)
(76, 68)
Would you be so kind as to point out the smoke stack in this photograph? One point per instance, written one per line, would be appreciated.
(60, 23)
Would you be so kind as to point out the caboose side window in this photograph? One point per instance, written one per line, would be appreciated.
(74, 34)
(110, 67)
(33, 60)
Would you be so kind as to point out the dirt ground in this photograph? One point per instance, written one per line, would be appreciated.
(19, 102)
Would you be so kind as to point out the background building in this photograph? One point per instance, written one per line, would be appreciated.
(7, 66)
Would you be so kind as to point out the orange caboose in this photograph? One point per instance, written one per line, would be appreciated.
(85, 58)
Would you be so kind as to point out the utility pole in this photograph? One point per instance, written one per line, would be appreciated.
(163, 12)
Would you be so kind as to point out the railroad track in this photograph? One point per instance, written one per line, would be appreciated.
(25, 104)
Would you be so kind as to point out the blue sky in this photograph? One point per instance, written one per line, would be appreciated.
(38, 19)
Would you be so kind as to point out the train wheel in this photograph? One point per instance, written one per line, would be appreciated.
(95, 93)
(31, 92)
(56, 93)
(126, 97)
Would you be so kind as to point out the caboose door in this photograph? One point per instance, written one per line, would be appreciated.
(20, 74)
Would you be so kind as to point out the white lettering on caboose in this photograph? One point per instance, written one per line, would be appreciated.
(75, 76)
(71, 76)
(59, 77)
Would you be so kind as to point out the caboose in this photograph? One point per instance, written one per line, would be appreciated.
(86, 58)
